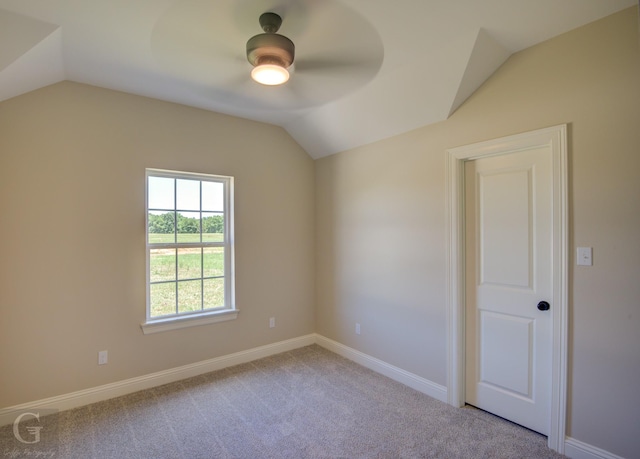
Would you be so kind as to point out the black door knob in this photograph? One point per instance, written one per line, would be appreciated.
(543, 306)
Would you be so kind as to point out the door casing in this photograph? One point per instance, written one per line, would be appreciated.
(554, 137)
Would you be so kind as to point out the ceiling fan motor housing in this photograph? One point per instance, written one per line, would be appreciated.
(270, 47)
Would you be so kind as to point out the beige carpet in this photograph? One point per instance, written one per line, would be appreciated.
(308, 403)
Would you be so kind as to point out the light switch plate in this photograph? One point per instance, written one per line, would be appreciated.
(585, 256)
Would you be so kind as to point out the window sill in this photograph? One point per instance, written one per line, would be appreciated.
(175, 323)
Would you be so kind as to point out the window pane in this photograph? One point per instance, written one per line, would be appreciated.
(190, 263)
(213, 293)
(188, 243)
(162, 299)
(162, 265)
(213, 260)
(212, 227)
(188, 194)
(188, 226)
(161, 227)
(189, 296)
(161, 193)
(213, 196)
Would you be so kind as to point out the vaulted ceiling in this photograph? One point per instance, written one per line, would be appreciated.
(364, 69)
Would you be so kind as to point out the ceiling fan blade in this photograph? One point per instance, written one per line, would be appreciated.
(192, 34)
(202, 46)
(336, 65)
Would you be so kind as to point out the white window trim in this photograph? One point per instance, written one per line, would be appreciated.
(229, 312)
(176, 323)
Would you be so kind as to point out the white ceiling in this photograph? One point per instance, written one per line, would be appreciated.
(364, 70)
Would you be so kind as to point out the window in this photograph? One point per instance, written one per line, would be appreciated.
(189, 250)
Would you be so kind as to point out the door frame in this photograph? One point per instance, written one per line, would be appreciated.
(556, 138)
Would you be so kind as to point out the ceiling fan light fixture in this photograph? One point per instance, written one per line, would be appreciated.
(270, 74)
(271, 54)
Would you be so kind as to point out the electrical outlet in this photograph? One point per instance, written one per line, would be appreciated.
(357, 328)
(103, 357)
(272, 322)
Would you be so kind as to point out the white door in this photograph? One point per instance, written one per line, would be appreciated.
(508, 250)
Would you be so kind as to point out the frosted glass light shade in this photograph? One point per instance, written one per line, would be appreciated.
(270, 74)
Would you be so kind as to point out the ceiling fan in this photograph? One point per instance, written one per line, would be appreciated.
(270, 53)
(211, 48)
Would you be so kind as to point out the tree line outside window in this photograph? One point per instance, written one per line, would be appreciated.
(164, 223)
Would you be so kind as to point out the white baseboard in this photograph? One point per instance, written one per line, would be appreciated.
(575, 449)
(408, 379)
(107, 391)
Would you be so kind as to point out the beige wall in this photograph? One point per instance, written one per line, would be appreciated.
(381, 242)
(72, 235)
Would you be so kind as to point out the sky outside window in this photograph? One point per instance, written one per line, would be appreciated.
(163, 193)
